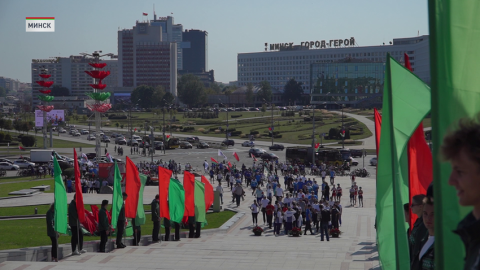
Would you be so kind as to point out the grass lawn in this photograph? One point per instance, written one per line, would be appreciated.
(42, 209)
(33, 232)
(57, 143)
(19, 178)
(347, 144)
(7, 188)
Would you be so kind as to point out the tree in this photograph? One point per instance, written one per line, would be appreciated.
(191, 90)
(58, 91)
(142, 95)
(249, 95)
(293, 90)
(28, 140)
(264, 109)
(215, 88)
(168, 97)
(158, 95)
(265, 91)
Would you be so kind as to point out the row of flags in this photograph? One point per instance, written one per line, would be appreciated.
(405, 167)
(221, 154)
(177, 201)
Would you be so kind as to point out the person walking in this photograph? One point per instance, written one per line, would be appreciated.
(360, 197)
(308, 220)
(238, 193)
(325, 219)
(219, 189)
(155, 207)
(103, 227)
(269, 210)
(254, 208)
(278, 220)
(77, 236)
(264, 203)
(121, 223)
(51, 231)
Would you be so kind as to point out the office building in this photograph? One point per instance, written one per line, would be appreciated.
(171, 32)
(195, 58)
(281, 62)
(69, 72)
(145, 58)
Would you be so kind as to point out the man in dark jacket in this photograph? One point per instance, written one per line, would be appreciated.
(325, 219)
(166, 225)
(461, 149)
(51, 231)
(419, 231)
(121, 223)
(424, 258)
(77, 236)
(103, 226)
(155, 207)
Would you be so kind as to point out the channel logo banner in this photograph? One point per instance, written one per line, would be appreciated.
(40, 24)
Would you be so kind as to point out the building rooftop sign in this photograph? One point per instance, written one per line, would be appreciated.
(51, 60)
(319, 44)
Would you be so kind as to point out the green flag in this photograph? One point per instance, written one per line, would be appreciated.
(117, 200)
(140, 218)
(176, 200)
(455, 94)
(199, 201)
(401, 115)
(60, 219)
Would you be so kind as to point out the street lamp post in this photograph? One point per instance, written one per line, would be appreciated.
(226, 132)
(271, 107)
(343, 129)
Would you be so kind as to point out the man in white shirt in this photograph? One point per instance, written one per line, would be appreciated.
(219, 188)
(279, 192)
(264, 202)
(288, 201)
(323, 175)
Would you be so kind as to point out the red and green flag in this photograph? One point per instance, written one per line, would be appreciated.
(454, 66)
(208, 193)
(199, 202)
(176, 201)
(401, 117)
(132, 188)
(117, 200)
(214, 161)
(378, 127)
(189, 187)
(140, 218)
(164, 177)
(60, 194)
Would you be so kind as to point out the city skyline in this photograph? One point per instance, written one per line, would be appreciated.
(88, 26)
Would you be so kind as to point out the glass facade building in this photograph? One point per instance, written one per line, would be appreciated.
(353, 82)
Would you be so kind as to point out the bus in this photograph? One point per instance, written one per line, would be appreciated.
(346, 153)
(173, 143)
(304, 155)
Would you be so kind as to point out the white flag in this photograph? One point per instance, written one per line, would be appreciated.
(220, 154)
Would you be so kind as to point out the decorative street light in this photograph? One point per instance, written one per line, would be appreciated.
(271, 107)
(45, 98)
(226, 108)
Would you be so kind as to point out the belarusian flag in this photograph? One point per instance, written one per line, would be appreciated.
(117, 200)
(378, 127)
(189, 186)
(401, 117)
(208, 193)
(168, 138)
(199, 202)
(317, 147)
(21, 148)
(60, 219)
(132, 188)
(454, 69)
(164, 176)
(176, 201)
(236, 156)
(140, 218)
(78, 189)
(214, 161)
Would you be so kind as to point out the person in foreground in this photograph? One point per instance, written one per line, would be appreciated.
(51, 231)
(424, 255)
(462, 149)
(103, 227)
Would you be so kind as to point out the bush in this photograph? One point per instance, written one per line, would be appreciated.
(333, 133)
(254, 132)
(115, 116)
(185, 129)
(68, 173)
(279, 136)
(236, 133)
(236, 116)
(28, 140)
(201, 130)
(2, 136)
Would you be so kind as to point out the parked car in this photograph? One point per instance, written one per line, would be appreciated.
(76, 134)
(84, 131)
(142, 144)
(202, 145)
(277, 147)
(356, 152)
(228, 142)
(269, 156)
(373, 161)
(105, 139)
(158, 145)
(192, 139)
(185, 145)
(23, 164)
(132, 142)
(352, 161)
(136, 137)
(91, 137)
(62, 130)
(8, 166)
(120, 140)
(256, 152)
(6, 160)
(248, 144)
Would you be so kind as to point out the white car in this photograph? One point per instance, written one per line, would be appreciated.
(84, 132)
(62, 130)
(91, 137)
(373, 161)
(248, 144)
(23, 164)
(8, 166)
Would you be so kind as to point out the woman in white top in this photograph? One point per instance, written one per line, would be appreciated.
(278, 220)
(254, 208)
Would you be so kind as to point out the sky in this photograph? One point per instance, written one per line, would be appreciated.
(233, 26)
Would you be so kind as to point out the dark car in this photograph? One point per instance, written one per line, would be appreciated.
(256, 152)
(132, 142)
(91, 155)
(356, 152)
(228, 142)
(202, 145)
(192, 139)
(185, 145)
(120, 140)
(277, 147)
(158, 145)
(143, 144)
(268, 156)
(105, 139)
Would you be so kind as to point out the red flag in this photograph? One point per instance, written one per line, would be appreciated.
(254, 159)
(378, 128)
(213, 160)
(229, 164)
(164, 176)
(145, 14)
(236, 156)
(132, 188)
(208, 193)
(270, 128)
(78, 189)
(317, 145)
(420, 162)
(21, 148)
(189, 186)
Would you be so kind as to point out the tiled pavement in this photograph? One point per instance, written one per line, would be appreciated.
(239, 249)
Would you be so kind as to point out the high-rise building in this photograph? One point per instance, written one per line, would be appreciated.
(195, 57)
(171, 32)
(146, 58)
(69, 72)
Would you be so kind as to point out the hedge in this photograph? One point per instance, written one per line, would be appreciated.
(236, 133)
(28, 140)
(236, 116)
(188, 129)
(114, 116)
(254, 132)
